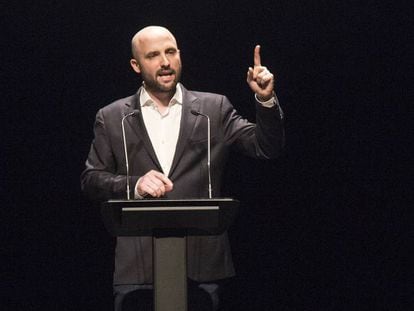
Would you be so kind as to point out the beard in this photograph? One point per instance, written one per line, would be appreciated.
(153, 85)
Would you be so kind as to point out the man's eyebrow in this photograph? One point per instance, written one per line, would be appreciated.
(151, 53)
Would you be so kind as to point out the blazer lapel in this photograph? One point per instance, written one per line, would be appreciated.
(138, 125)
(188, 121)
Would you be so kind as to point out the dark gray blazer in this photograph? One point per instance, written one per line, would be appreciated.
(209, 258)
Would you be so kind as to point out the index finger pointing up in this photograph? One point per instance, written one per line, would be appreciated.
(257, 61)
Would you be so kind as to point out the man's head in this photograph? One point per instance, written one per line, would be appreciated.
(157, 58)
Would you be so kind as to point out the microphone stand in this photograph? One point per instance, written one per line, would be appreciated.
(196, 113)
(128, 192)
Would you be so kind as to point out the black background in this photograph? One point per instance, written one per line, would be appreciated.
(327, 226)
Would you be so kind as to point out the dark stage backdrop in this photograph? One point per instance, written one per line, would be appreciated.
(324, 227)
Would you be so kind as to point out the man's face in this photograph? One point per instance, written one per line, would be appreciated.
(158, 61)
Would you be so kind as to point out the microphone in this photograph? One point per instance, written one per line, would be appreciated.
(197, 113)
(133, 113)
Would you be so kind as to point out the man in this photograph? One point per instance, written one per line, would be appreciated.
(167, 153)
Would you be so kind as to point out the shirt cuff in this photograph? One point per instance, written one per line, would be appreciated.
(137, 196)
(274, 101)
(269, 103)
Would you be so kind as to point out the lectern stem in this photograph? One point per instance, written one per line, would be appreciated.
(170, 274)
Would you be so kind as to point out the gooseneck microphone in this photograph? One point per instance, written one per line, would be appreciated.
(197, 113)
(133, 113)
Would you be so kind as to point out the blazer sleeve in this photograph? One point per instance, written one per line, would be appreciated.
(101, 179)
(263, 140)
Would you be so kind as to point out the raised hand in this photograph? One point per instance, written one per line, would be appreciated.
(259, 78)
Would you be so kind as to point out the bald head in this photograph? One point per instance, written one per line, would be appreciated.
(148, 34)
(156, 58)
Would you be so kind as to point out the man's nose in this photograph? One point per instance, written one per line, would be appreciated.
(165, 62)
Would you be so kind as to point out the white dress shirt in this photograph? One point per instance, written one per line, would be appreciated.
(163, 129)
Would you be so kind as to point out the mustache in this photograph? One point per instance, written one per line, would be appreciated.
(162, 72)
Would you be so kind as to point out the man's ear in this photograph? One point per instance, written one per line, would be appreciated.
(135, 65)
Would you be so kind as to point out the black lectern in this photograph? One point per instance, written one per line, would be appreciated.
(169, 222)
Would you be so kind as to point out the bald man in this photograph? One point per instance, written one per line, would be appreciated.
(168, 156)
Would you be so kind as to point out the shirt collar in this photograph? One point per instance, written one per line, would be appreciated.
(146, 100)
